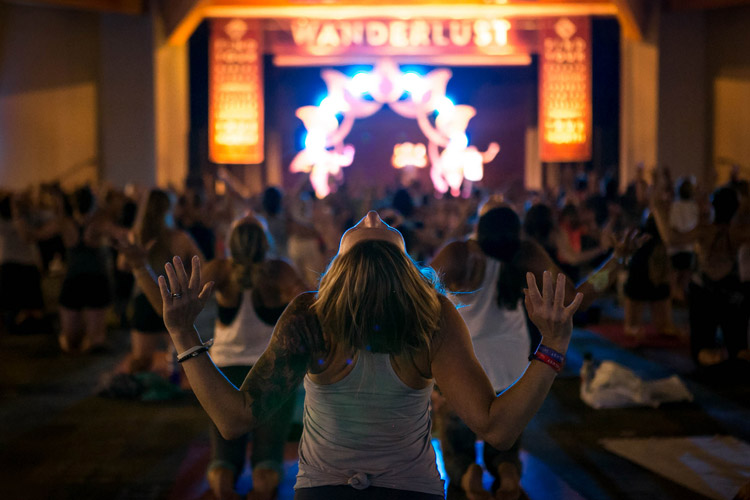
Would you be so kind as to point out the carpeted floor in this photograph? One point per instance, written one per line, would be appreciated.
(58, 440)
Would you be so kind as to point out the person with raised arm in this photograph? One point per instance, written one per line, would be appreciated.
(252, 291)
(486, 275)
(369, 345)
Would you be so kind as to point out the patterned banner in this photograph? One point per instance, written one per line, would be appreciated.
(236, 92)
(565, 122)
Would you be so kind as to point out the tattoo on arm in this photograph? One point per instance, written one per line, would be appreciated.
(297, 340)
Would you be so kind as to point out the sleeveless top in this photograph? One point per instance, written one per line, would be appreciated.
(500, 336)
(13, 248)
(368, 429)
(89, 260)
(242, 341)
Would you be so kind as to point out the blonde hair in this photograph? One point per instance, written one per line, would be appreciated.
(375, 297)
(248, 246)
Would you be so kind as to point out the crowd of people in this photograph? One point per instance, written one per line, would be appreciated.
(80, 263)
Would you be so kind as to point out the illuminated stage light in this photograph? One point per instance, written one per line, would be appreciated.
(459, 141)
(414, 85)
(362, 83)
(315, 141)
(445, 106)
(452, 160)
(333, 105)
(473, 168)
(409, 155)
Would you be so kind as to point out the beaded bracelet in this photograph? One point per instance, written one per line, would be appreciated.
(548, 356)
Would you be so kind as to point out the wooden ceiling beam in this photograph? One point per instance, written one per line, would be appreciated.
(181, 17)
(456, 9)
(134, 7)
(704, 4)
(634, 17)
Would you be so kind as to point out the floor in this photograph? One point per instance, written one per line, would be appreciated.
(59, 440)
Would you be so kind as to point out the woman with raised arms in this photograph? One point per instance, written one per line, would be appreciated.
(369, 345)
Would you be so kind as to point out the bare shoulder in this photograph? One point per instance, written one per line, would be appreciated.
(533, 257)
(279, 282)
(298, 329)
(218, 270)
(452, 251)
(450, 323)
(179, 237)
(461, 265)
(279, 268)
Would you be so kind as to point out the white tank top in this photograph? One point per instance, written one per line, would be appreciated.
(368, 429)
(243, 340)
(500, 336)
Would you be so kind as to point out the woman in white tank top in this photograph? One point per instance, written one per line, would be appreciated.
(369, 344)
(251, 293)
(488, 272)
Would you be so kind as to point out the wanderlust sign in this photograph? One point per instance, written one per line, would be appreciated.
(403, 37)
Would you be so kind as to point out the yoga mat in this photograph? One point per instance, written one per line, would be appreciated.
(715, 466)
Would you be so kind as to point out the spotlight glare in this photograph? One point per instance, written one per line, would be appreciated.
(445, 106)
(361, 83)
(315, 141)
(459, 141)
(413, 84)
(333, 106)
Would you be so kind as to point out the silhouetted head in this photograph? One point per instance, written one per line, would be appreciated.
(5, 206)
(539, 223)
(725, 202)
(685, 188)
(84, 200)
(499, 233)
(403, 203)
(272, 198)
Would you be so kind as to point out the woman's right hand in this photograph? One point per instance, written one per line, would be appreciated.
(548, 312)
(182, 298)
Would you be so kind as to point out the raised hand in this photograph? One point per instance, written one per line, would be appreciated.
(631, 241)
(135, 254)
(183, 298)
(548, 311)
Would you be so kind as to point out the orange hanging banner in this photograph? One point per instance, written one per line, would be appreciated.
(565, 114)
(235, 91)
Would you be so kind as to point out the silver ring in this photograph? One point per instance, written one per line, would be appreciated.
(176, 295)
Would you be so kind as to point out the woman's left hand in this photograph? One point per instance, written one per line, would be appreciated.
(183, 299)
(548, 311)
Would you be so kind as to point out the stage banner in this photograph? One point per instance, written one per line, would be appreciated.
(565, 116)
(235, 91)
(402, 37)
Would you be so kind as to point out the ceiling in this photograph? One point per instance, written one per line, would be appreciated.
(181, 17)
(117, 6)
